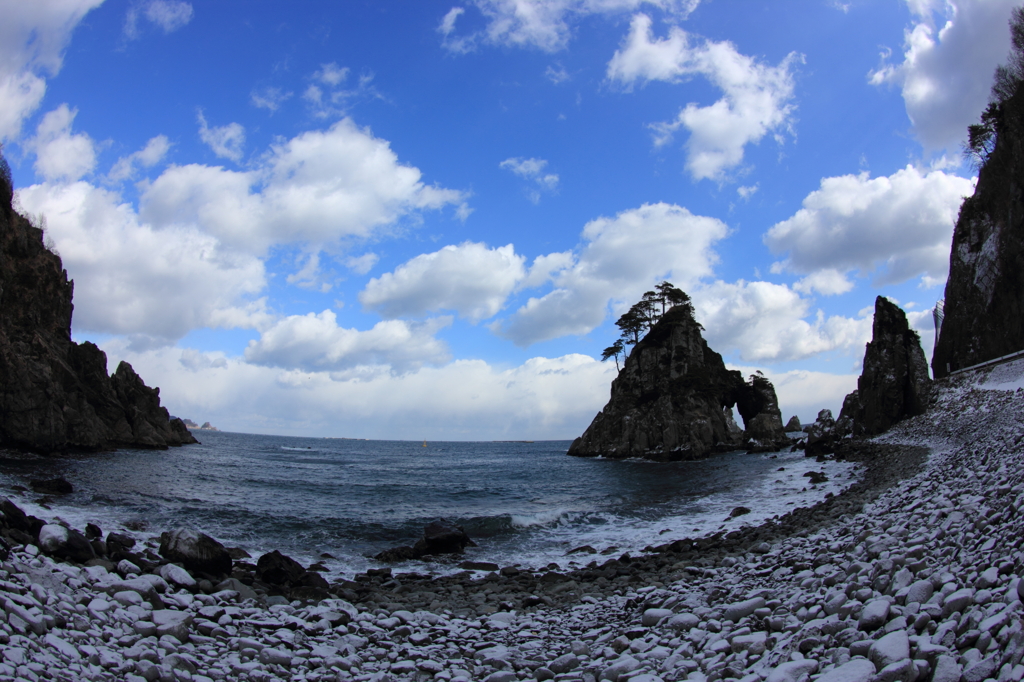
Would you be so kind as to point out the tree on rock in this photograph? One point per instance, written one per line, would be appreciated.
(614, 350)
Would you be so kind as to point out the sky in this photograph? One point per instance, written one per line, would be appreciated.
(421, 220)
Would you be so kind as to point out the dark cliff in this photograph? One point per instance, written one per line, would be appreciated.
(894, 383)
(673, 399)
(984, 299)
(55, 394)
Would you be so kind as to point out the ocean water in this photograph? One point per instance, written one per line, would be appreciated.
(523, 503)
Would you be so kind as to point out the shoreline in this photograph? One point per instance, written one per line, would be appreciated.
(912, 572)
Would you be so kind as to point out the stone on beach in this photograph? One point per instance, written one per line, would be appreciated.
(197, 551)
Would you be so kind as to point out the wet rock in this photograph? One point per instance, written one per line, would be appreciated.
(277, 569)
(443, 537)
(53, 486)
(197, 551)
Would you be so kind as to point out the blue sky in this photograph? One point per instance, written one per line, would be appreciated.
(406, 220)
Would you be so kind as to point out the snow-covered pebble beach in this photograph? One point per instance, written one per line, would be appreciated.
(912, 575)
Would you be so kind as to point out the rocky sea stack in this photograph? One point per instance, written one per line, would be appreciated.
(894, 383)
(55, 394)
(673, 400)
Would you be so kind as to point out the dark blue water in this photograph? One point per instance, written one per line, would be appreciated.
(526, 503)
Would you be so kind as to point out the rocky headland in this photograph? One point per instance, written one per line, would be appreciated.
(55, 394)
(983, 315)
(673, 400)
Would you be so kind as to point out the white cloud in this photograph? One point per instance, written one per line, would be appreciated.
(225, 141)
(747, 191)
(828, 282)
(316, 343)
(269, 98)
(898, 226)
(470, 279)
(557, 75)
(147, 157)
(61, 155)
(169, 15)
(532, 169)
(33, 36)
(331, 74)
(620, 259)
(318, 187)
(136, 280)
(327, 99)
(543, 398)
(950, 54)
(309, 275)
(542, 24)
(757, 98)
(362, 264)
(765, 322)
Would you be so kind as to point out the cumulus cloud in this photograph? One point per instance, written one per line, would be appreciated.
(139, 281)
(533, 170)
(225, 141)
(543, 398)
(147, 157)
(362, 264)
(318, 187)
(169, 15)
(757, 99)
(828, 282)
(60, 154)
(620, 258)
(33, 36)
(950, 54)
(470, 278)
(766, 322)
(897, 227)
(315, 342)
(543, 24)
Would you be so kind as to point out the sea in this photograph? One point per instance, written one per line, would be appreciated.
(523, 503)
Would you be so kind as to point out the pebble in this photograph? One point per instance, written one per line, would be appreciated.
(916, 578)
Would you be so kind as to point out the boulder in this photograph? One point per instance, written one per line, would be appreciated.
(65, 543)
(53, 486)
(894, 383)
(275, 568)
(793, 424)
(439, 537)
(821, 435)
(673, 400)
(443, 537)
(196, 551)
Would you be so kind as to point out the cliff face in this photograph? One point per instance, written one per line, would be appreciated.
(672, 400)
(984, 308)
(894, 383)
(55, 394)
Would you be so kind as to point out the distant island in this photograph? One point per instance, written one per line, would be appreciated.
(192, 426)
